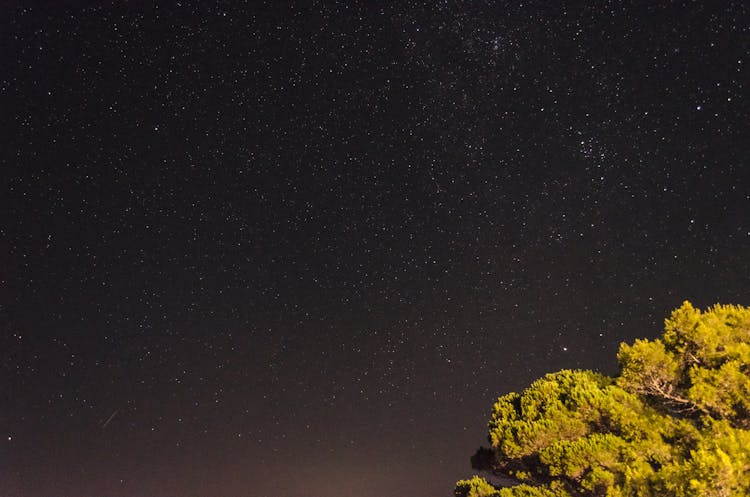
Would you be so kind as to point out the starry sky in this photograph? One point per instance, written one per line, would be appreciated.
(296, 249)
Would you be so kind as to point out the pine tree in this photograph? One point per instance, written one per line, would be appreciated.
(674, 422)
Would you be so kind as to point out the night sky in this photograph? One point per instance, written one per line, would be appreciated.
(298, 249)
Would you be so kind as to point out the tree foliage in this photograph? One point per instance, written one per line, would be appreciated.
(674, 422)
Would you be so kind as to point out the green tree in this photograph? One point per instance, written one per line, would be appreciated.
(674, 422)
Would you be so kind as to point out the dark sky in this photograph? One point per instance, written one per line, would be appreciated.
(297, 249)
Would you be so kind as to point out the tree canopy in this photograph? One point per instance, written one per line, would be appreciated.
(674, 422)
